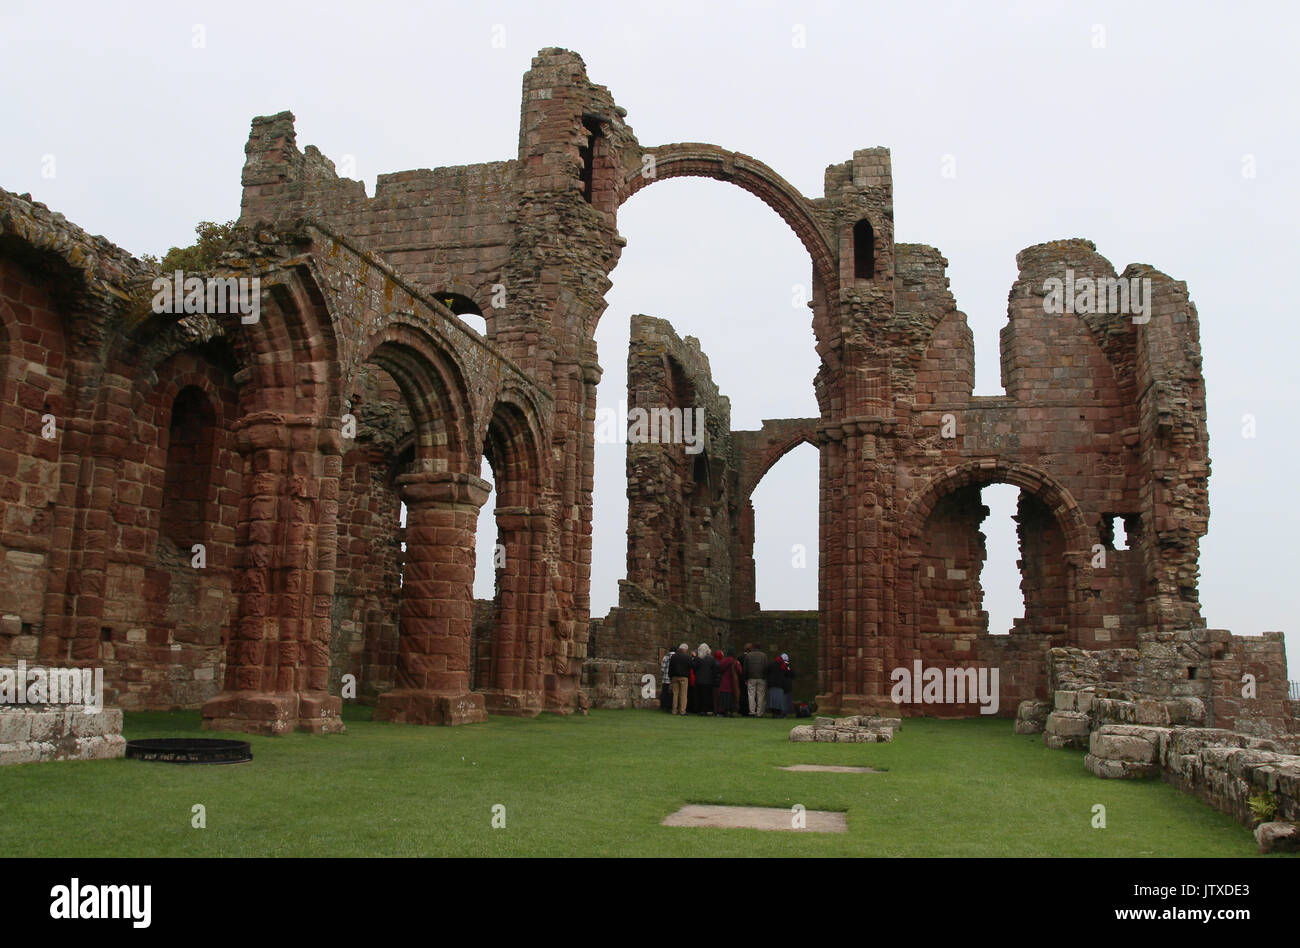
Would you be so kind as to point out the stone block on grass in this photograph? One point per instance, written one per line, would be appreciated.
(1031, 716)
(1278, 837)
(1066, 729)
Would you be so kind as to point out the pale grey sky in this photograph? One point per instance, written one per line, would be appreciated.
(1135, 125)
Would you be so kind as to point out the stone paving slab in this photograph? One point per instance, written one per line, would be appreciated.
(756, 817)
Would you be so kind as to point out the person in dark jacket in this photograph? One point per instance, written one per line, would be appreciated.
(679, 671)
(789, 684)
(776, 687)
(706, 676)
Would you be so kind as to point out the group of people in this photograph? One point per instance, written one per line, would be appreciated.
(709, 682)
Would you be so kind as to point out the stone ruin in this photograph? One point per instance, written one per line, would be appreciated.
(1132, 735)
(284, 449)
(854, 729)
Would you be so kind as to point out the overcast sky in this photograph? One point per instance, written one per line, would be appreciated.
(1164, 132)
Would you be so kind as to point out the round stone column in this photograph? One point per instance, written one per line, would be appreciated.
(517, 635)
(277, 660)
(437, 615)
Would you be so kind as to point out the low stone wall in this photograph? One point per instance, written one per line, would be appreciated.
(1072, 715)
(1148, 738)
(37, 733)
(1239, 680)
(608, 683)
(1219, 767)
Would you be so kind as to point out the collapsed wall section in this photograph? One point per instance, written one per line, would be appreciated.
(447, 230)
(680, 484)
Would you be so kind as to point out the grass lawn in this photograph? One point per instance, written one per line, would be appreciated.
(598, 786)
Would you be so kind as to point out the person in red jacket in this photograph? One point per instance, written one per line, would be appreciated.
(730, 674)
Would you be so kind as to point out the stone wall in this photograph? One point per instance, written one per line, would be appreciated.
(1219, 767)
(1239, 681)
(37, 733)
(793, 632)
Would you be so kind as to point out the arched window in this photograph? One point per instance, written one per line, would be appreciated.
(465, 308)
(864, 250)
(189, 468)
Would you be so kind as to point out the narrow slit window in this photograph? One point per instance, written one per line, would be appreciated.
(588, 153)
(864, 250)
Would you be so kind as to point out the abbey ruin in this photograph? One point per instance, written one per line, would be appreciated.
(279, 451)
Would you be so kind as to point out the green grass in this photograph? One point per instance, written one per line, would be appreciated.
(598, 786)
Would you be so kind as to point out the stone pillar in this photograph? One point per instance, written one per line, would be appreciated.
(522, 532)
(98, 439)
(437, 614)
(277, 664)
(857, 639)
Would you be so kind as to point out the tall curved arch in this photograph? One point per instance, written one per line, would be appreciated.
(508, 667)
(693, 159)
(773, 452)
(434, 390)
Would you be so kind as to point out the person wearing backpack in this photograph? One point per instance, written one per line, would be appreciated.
(788, 685)
(776, 670)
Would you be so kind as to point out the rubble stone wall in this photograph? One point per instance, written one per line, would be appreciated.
(32, 734)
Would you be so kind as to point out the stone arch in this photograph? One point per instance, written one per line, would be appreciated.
(758, 454)
(1055, 495)
(84, 292)
(513, 443)
(864, 250)
(295, 328)
(160, 338)
(442, 499)
(434, 389)
(277, 667)
(697, 160)
(957, 592)
(802, 432)
(508, 661)
(462, 302)
(194, 409)
(376, 482)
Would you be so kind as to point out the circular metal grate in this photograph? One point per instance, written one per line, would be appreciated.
(190, 750)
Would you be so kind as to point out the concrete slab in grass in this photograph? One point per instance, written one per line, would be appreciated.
(758, 817)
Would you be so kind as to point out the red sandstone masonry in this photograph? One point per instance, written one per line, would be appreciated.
(1103, 418)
